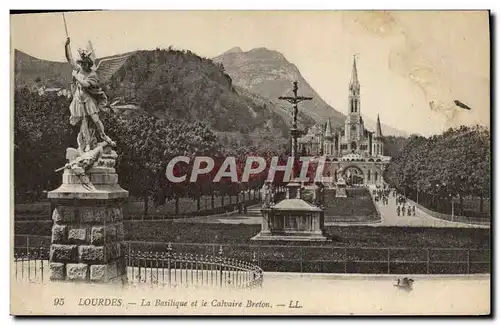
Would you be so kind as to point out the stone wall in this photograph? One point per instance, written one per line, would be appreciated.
(87, 240)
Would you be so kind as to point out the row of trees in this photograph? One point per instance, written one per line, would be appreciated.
(145, 145)
(455, 164)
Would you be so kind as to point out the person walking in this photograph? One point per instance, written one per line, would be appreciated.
(413, 210)
(398, 210)
(403, 210)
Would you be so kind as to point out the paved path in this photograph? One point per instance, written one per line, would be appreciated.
(388, 215)
(252, 217)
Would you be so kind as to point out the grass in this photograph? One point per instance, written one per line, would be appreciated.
(353, 236)
(358, 206)
(134, 208)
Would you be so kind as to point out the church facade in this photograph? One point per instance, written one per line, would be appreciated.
(354, 152)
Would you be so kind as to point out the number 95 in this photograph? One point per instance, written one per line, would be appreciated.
(58, 301)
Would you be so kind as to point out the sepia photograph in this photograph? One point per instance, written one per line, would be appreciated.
(231, 162)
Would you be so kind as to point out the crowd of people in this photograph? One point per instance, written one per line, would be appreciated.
(382, 194)
(403, 208)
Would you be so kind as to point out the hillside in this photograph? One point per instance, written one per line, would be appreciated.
(181, 85)
(29, 70)
(269, 74)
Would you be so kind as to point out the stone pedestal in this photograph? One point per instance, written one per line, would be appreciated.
(87, 234)
(293, 190)
(292, 220)
(341, 189)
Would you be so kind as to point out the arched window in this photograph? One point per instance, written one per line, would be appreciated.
(353, 145)
(369, 174)
(376, 176)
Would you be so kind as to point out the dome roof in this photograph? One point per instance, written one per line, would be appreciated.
(295, 205)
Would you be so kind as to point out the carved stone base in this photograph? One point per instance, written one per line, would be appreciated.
(87, 234)
(341, 192)
(87, 240)
(292, 220)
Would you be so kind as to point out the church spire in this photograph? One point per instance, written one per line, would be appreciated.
(354, 91)
(378, 131)
(328, 131)
(354, 73)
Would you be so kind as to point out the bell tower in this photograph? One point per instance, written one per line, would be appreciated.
(353, 122)
(378, 143)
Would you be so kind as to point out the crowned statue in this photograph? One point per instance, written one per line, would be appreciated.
(88, 100)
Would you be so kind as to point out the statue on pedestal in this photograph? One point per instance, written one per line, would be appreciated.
(88, 99)
(340, 176)
(267, 194)
(341, 184)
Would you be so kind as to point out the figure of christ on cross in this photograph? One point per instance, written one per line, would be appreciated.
(294, 131)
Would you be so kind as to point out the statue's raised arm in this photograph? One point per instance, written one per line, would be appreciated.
(69, 56)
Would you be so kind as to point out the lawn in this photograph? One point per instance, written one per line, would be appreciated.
(358, 206)
(134, 208)
(353, 236)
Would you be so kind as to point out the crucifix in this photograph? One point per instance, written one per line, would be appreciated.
(294, 131)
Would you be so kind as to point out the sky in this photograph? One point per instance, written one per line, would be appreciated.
(412, 65)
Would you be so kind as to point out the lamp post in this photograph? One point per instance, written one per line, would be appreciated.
(452, 206)
(417, 192)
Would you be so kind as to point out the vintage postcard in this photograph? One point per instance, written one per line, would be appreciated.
(251, 163)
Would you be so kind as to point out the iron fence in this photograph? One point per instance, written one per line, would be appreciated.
(192, 270)
(242, 265)
(31, 263)
(165, 268)
(341, 259)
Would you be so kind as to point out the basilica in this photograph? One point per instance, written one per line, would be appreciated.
(353, 153)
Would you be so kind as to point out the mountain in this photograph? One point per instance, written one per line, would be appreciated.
(386, 129)
(182, 85)
(29, 70)
(269, 74)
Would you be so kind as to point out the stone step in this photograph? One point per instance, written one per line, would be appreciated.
(254, 211)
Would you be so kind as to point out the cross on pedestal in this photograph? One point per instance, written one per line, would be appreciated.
(294, 131)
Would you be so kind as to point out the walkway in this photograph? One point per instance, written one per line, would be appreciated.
(390, 217)
(252, 217)
(388, 213)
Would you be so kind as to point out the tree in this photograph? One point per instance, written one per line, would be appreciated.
(442, 167)
(41, 134)
(146, 144)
